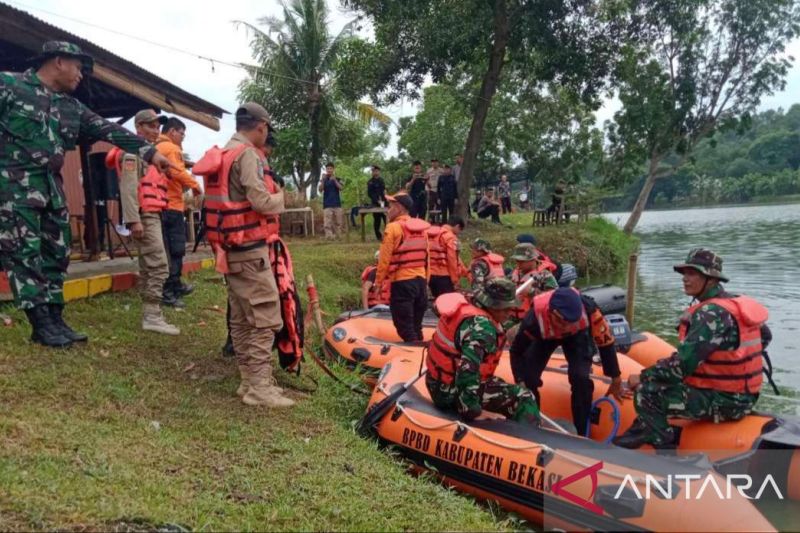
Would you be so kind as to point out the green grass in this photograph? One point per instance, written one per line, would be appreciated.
(137, 431)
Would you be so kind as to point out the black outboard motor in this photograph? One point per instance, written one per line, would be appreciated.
(609, 298)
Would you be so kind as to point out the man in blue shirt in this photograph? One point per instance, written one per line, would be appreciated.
(333, 217)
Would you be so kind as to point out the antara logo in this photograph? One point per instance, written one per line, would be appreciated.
(666, 486)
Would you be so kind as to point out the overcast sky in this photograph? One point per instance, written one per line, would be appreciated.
(207, 29)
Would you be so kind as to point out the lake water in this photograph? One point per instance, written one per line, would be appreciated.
(760, 247)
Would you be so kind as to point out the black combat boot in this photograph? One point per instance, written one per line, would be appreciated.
(45, 332)
(227, 350)
(56, 311)
(170, 299)
(638, 435)
(184, 289)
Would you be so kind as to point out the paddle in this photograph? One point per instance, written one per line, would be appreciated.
(379, 410)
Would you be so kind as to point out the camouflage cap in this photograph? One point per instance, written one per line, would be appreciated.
(63, 48)
(525, 252)
(704, 261)
(149, 115)
(497, 293)
(481, 245)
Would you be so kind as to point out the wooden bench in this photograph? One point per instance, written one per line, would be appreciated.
(363, 212)
(307, 220)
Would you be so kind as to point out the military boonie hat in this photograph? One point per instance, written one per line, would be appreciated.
(497, 293)
(704, 261)
(481, 245)
(402, 199)
(63, 48)
(525, 252)
(253, 111)
(148, 115)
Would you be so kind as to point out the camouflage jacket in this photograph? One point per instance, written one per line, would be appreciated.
(543, 281)
(38, 127)
(712, 328)
(477, 337)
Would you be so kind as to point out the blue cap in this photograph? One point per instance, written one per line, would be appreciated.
(568, 303)
(524, 238)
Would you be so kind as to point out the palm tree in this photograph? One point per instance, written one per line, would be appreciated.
(296, 78)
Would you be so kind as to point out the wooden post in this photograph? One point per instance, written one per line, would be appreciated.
(313, 304)
(631, 297)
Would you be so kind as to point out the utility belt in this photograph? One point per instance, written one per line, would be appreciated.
(245, 247)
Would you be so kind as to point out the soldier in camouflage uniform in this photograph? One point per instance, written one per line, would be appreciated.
(529, 266)
(669, 388)
(478, 341)
(39, 123)
(480, 271)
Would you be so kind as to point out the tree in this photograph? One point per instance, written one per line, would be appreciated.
(571, 41)
(296, 79)
(704, 65)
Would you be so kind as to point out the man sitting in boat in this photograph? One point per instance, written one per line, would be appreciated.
(529, 265)
(370, 298)
(485, 264)
(464, 353)
(716, 371)
(563, 317)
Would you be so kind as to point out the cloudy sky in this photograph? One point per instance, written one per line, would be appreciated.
(207, 29)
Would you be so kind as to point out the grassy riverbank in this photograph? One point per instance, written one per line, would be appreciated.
(136, 431)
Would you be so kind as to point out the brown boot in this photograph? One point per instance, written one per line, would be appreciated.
(244, 386)
(263, 392)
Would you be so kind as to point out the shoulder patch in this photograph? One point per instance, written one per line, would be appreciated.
(128, 164)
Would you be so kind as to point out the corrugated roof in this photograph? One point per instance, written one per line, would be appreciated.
(29, 33)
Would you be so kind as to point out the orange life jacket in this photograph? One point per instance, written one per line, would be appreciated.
(495, 262)
(443, 355)
(547, 263)
(289, 340)
(735, 371)
(152, 188)
(548, 328)
(373, 298)
(437, 251)
(413, 249)
(228, 224)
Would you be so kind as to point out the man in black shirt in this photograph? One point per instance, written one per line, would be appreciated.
(416, 190)
(447, 191)
(376, 189)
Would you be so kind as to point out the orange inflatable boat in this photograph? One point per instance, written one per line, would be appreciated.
(559, 480)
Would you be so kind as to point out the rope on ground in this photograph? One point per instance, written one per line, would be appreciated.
(337, 379)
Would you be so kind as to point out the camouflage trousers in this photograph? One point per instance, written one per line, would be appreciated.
(656, 401)
(512, 401)
(34, 252)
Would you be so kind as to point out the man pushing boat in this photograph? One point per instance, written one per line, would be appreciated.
(465, 351)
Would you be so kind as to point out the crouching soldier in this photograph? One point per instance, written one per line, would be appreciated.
(465, 351)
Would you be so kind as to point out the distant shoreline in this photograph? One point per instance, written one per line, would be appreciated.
(787, 200)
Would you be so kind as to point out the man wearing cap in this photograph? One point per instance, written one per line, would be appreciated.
(143, 198)
(565, 318)
(170, 145)
(715, 374)
(464, 353)
(485, 263)
(376, 190)
(529, 266)
(252, 291)
(403, 262)
(527, 238)
(39, 123)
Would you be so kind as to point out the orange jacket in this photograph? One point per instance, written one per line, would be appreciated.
(179, 179)
(392, 237)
